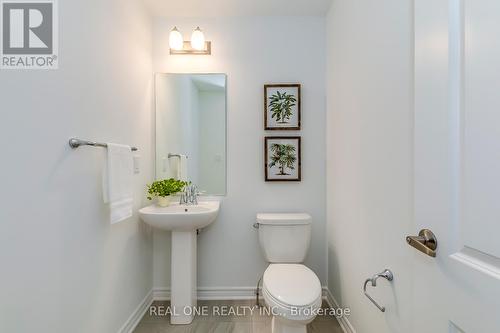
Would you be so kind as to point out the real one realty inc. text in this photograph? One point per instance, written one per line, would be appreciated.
(244, 310)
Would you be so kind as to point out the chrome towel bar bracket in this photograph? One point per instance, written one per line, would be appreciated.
(75, 143)
(386, 274)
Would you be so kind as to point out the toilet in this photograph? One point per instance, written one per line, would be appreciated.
(291, 290)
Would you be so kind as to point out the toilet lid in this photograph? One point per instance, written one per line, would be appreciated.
(292, 284)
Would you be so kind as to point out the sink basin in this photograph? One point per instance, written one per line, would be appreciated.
(182, 220)
(180, 217)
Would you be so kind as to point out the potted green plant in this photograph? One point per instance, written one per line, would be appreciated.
(163, 189)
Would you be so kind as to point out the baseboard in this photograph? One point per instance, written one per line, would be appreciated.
(161, 294)
(332, 302)
(228, 293)
(137, 315)
(210, 293)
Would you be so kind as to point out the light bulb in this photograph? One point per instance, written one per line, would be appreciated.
(175, 40)
(198, 40)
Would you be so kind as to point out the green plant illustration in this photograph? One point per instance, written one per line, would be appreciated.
(283, 156)
(281, 106)
(165, 187)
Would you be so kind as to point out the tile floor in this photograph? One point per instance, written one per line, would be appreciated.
(244, 322)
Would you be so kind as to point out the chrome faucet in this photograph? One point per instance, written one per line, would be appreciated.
(189, 195)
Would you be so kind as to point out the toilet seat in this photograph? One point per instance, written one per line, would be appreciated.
(292, 284)
(292, 290)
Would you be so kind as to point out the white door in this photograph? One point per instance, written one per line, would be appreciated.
(457, 165)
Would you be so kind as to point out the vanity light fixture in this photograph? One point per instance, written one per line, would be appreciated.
(196, 46)
(198, 39)
(175, 40)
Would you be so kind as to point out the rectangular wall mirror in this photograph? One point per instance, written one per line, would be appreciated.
(191, 129)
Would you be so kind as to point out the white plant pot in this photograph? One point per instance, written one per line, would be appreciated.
(164, 201)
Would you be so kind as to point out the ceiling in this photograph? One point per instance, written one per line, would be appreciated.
(221, 8)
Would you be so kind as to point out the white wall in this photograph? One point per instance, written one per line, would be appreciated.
(369, 149)
(64, 268)
(254, 51)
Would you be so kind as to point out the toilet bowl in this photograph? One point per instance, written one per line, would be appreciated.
(293, 294)
(291, 290)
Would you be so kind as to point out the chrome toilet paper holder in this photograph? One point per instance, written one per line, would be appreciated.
(386, 274)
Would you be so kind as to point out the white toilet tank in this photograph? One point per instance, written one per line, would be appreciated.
(284, 238)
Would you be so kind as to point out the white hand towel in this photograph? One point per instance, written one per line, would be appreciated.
(178, 167)
(117, 182)
(173, 163)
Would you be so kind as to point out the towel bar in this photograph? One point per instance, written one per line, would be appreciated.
(75, 143)
(175, 155)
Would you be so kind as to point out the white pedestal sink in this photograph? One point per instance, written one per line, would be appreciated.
(182, 220)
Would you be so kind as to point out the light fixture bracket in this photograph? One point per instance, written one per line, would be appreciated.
(188, 50)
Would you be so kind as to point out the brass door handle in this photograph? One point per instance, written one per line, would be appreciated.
(425, 242)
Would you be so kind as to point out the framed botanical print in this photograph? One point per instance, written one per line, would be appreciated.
(282, 107)
(282, 158)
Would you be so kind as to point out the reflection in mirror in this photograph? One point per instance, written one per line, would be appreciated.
(191, 129)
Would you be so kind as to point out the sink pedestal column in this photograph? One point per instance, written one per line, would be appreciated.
(183, 289)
